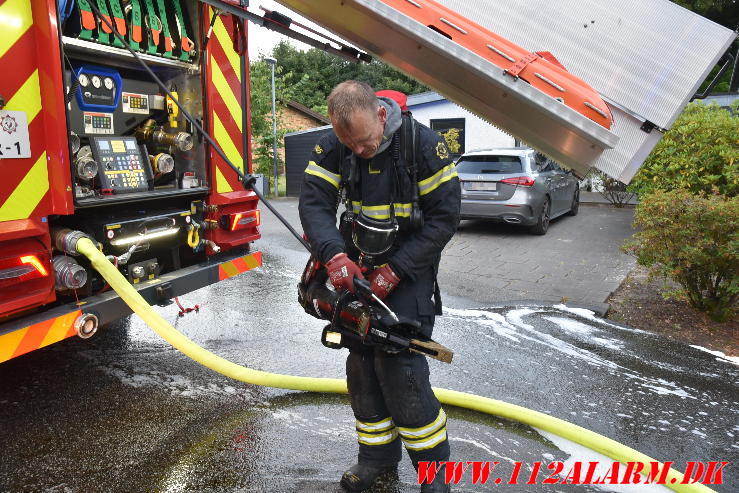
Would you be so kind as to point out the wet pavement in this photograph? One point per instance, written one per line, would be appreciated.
(125, 412)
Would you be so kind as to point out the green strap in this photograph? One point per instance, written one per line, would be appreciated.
(165, 28)
(115, 8)
(135, 21)
(184, 55)
(84, 7)
(151, 14)
(104, 37)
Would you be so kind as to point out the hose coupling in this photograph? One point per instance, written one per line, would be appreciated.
(69, 274)
(123, 259)
(86, 325)
(213, 246)
(65, 240)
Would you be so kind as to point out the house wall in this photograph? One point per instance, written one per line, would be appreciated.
(294, 121)
(479, 134)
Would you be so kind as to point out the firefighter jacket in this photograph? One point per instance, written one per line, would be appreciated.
(382, 179)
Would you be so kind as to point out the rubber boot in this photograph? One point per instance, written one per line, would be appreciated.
(361, 476)
(437, 486)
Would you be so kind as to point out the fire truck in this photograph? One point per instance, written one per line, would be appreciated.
(95, 142)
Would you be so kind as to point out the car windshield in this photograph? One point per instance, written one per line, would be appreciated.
(489, 164)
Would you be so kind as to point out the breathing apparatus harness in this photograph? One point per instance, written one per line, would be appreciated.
(360, 317)
(374, 237)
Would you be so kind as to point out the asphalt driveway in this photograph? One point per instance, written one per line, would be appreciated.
(578, 261)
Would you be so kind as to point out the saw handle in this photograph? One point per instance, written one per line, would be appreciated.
(363, 289)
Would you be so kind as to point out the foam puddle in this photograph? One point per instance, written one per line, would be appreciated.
(578, 453)
(511, 325)
(590, 315)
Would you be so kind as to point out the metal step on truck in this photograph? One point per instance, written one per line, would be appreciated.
(94, 139)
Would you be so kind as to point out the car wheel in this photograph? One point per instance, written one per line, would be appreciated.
(575, 207)
(542, 224)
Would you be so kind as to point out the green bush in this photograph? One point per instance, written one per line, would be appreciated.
(693, 240)
(699, 153)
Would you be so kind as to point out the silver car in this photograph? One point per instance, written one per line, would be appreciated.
(517, 186)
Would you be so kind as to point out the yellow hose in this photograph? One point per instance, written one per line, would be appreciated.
(564, 429)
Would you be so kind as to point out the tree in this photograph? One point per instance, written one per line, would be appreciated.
(725, 13)
(312, 74)
(261, 113)
(700, 153)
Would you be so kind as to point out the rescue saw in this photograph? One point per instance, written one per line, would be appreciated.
(361, 317)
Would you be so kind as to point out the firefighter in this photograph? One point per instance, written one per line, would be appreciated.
(402, 198)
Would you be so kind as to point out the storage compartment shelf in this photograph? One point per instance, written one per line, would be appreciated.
(138, 197)
(93, 50)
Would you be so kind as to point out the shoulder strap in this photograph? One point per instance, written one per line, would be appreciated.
(406, 137)
(349, 178)
(342, 176)
(409, 132)
(410, 142)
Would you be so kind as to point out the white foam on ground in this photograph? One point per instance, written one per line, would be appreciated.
(609, 343)
(699, 433)
(590, 315)
(482, 446)
(578, 453)
(516, 318)
(468, 312)
(511, 325)
(572, 325)
(669, 389)
(721, 356)
(173, 384)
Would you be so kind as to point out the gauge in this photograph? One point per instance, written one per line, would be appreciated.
(96, 82)
(84, 80)
(109, 83)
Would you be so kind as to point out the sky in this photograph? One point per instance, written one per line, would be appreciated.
(262, 40)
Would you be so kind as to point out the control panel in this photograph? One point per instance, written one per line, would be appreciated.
(121, 167)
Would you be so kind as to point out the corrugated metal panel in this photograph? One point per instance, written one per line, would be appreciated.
(649, 57)
(634, 146)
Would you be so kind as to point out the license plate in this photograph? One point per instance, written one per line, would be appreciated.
(482, 186)
(14, 141)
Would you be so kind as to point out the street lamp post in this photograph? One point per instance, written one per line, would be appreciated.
(272, 62)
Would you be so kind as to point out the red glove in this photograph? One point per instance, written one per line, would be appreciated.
(383, 280)
(342, 271)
